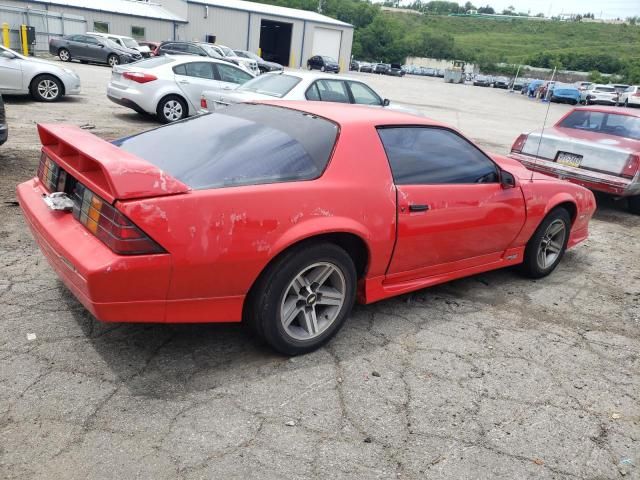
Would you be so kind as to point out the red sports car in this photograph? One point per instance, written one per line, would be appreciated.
(596, 147)
(283, 214)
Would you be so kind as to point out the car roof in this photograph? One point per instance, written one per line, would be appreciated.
(312, 75)
(615, 110)
(196, 58)
(348, 114)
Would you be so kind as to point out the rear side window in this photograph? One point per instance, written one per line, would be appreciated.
(328, 91)
(241, 145)
(430, 155)
(231, 74)
(607, 123)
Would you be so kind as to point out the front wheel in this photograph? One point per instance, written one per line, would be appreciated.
(113, 60)
(46, 88)
(303, 299)
(547, 245)
(64, 55)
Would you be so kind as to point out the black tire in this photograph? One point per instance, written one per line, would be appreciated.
(170, 104)
(531, 266)
(46, 88)
(322, 69)
(634, 204)
(626, 103)
(84, 62)
(64, 55)
(113, 60)
(263, 311)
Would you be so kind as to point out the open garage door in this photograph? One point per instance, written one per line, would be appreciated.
(275, 41)
(326, 42)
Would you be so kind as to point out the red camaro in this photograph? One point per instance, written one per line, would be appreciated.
(283, 214)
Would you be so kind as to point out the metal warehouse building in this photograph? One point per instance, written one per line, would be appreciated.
(284, 35)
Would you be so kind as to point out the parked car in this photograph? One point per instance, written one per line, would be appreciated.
(4, 128)
(482, 81)
(44, 81)
(153, 46)
(89, 48)
(366, 67)
(596, 147)
(534, 86)
(263, 65)
(125, 42)
(500, 82)
(517, 84)
(301, 85)
(600, 95)
(563, 93)
(631, 96)
(381, 68)
(395, 70)
(282, 215)
(583, 85)
(170, 86)
(249, 64)
(323, 63)
(354, 65)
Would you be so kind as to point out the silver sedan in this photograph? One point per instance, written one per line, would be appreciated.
(44, 81)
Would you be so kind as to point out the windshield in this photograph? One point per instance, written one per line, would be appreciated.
(212, 52)
(273, 85)
(227, 51)
(130, 43)
(329, 59)
(243, 145)
(600, 122)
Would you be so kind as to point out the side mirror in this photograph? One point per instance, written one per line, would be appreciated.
(7, 55)
(386, 102)
(101, 45)
(507, 180)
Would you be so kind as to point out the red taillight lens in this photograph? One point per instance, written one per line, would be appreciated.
(139, 77)
(203, 102)
(631, 167)
(114, 229)
(637, 94)
(518, 145)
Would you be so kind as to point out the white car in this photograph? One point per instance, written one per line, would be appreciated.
(300, 85)
(171, 86)
(45, 81)
(631, 96)
(125, 42)
(600, 94)
(228, 54)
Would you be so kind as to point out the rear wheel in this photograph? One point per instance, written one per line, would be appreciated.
(64, 55)
(171, 109)
(113, 60)
(303, 299)
(46, 88)
(547, 245)
(634, 204)
(626, 103)
(322, 69)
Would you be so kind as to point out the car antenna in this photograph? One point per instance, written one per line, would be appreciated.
(544, 124)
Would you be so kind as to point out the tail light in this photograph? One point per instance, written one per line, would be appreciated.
(637, 94)
(139, 77)
(114, 229)
(632, 166)
(518, 145)
(203, 102)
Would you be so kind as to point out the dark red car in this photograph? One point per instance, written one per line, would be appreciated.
(283, 214)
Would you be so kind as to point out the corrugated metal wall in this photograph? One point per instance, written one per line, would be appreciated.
(118, 24)
(229, 26)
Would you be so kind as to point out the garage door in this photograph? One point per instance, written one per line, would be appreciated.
(326, 42)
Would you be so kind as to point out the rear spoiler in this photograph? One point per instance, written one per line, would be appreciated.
(109, 171)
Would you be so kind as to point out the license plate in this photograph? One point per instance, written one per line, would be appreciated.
(569, 159)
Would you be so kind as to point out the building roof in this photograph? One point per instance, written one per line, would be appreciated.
(124, 7)
(272, 10)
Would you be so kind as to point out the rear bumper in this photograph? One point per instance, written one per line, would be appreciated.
(600, 182)
(125, 102)
(112, 287)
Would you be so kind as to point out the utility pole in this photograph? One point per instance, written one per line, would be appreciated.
(319, 6)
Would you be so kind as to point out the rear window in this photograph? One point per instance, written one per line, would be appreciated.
(608, 123)
(155, 62)
(273, 85)
(241, 145)
(605, 89)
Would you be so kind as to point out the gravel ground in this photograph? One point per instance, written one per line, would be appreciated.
(493, 376)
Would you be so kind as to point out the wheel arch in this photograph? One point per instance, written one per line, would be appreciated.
(41, 74)
(565, 201)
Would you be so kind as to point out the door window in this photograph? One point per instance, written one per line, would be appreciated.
(89, 39)
(199, 70)
(363, 95)
(231, 74)
(329, 91)
(429, 155)
(193, 50)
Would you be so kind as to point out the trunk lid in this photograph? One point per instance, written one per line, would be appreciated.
(604, 153)
(109, 171)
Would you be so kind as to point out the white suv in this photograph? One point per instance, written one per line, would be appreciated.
(227, 53)
(631, 96)
(124, 41)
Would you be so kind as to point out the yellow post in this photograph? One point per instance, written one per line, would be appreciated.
(23, 36)
(259, 52)
(5, 35)
(292, 61)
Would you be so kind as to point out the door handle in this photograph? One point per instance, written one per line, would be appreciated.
(184, 82)
(418, 208)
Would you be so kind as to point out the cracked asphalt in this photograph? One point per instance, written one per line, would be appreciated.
(493, 376)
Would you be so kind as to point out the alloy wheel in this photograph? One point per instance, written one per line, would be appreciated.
(48, 89)
(172, 110)
(64, 55)
(552, 243)
(113, 61)
(313, 300)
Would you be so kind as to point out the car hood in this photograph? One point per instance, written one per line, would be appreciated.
(41, 62)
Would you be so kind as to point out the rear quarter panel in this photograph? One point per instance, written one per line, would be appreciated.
(220, 240)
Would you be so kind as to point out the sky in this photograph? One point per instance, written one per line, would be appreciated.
(608, 8)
